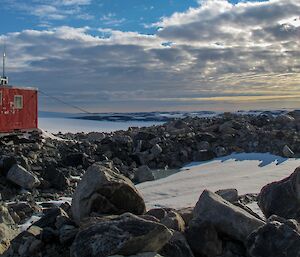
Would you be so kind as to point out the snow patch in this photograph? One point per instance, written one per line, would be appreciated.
(247, 172)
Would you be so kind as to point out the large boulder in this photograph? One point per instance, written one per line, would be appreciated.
(103, 191)
(282, 197)
(276, 239)
(124, 235)
(21, 177)
(225, 217)
(8, 230)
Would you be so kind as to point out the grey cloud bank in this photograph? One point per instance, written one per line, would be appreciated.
(217, 56)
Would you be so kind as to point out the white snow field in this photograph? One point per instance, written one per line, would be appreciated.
(247, 172)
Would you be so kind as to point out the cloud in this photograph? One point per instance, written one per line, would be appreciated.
(49, 10)
(110, 19)
(73, 2)
(217, 53)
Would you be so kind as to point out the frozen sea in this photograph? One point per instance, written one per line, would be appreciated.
(64, 125)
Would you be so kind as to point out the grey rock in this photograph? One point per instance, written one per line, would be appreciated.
(220, 151)
(20, 176)
(159, 213)
(203, 239)
(177, 246)
(282, 197)
(149, 254)
(8, 230)
(6, 162)
(227, 128)
(124, 235)
(56, 177)
(95, 136)
(186, 214)
(173, 221)
(50, 218)
(156, 150)
(233, 249)
(274, 239)
(287, 152)
(103, 191)
(230, 195)
(284, 119)
(204, 145)
(203, 155)
(225, 217)
(35, 246)
(67, 233)
(144, 174)
(295, 114)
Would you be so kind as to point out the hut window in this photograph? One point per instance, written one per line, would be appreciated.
(18, 102)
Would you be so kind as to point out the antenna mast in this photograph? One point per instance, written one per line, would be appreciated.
(3, 73)
(3, 79)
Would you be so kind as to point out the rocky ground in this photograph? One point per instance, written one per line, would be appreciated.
(107, 216)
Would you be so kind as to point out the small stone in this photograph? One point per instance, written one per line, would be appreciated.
(144, 174)
(67, 234)
(35, 246)
(230, 195)
(287, 152)
(156, 150)
(173, 221)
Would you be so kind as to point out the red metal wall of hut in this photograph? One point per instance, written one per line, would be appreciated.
(18, 108)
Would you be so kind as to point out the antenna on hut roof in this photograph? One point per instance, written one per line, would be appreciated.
(3, 79)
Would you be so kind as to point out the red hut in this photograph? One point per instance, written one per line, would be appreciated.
(18, 106)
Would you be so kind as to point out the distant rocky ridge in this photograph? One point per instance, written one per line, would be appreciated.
(108, 216)
(161, 116)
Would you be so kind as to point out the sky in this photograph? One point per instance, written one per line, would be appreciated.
(154, 55)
